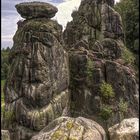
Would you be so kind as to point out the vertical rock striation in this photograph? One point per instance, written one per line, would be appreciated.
(36, 91)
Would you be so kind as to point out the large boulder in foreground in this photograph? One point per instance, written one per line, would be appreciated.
(31, 10)
(128, 129)
(73, 129)
(5, 135)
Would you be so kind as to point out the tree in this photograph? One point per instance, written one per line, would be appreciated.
(4, 63)
(129, 11)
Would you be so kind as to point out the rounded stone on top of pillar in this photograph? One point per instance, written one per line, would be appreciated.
(29, 10)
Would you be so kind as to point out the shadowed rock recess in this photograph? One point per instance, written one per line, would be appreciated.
(59, 84)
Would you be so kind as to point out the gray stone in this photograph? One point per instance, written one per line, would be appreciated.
(29, 10)
(5, 135)
(128, 129)
(72, 128)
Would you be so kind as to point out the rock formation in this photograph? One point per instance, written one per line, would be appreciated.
(36, 10)
(5, 135)
(103, 84)
(36, 91)
(66, 128)
(128, 129)
(92, 79)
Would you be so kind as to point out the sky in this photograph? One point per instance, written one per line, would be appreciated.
(10, 17)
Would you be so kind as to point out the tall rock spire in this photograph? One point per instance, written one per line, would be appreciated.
(36, 90)
(98, 62)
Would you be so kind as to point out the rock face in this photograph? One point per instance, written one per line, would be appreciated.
(73, 129)
(128, 129)
(36, 91)
(5, 135)
(102, 83)
(31, 10)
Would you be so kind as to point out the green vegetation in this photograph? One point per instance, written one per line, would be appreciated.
(123, 107)
(129, 11)
(2, 97)
(4, 63)
(106, 90)
(128, 56)
(106, 112)
(2, 94)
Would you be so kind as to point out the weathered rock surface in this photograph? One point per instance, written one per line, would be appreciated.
(102, 83)
(5, 135)
(93, 21)
(94, 40)
(36, 91)
(128, 129)
(31, 10)
(73, 129)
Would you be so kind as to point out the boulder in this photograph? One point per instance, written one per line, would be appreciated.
(5, 135)
(29, 10)
(73, 129)
(128, 129)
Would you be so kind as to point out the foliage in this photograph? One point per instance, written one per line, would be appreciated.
(129, 11)
(128, 56)
(2, 94)
(107, 90)
(123, 106)
(106, 112)
(4, 63)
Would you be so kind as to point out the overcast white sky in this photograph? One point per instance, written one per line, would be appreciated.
(10, 16)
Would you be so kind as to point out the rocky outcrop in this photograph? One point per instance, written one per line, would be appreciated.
(102, 83)
(94, 20)
(36, 91)
(31, 10)
(5, 135)
(73, 129)
(128, 129)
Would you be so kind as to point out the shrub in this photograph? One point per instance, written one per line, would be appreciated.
(106, 112)
(123, 106)
(106, 90)
(128, 56)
